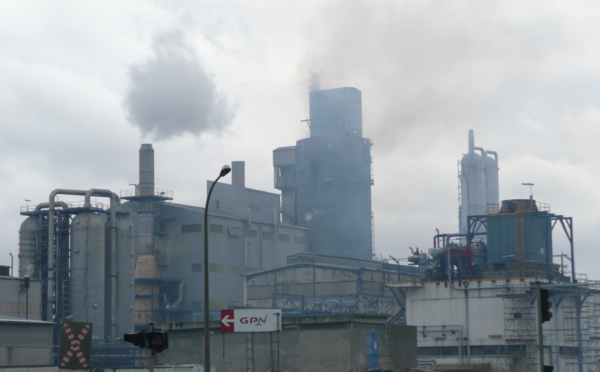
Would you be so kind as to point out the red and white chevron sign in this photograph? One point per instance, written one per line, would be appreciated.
(73, 345)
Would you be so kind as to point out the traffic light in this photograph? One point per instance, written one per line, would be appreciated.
(138, 339)
(157, 340)
(546, 304)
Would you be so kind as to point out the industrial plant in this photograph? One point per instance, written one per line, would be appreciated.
(471, 301)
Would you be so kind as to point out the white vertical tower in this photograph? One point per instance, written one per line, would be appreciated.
(478, 182)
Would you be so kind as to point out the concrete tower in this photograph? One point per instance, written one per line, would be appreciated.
(326, 179)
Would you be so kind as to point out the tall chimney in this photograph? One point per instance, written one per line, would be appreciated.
(471, 141)
(146, 183)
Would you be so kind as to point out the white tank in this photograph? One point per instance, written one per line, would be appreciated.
(472, 183)
(491, 180)
(125, 271)
(28, 236)
(473, 200)
(88, 247)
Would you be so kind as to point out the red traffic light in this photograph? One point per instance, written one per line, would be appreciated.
(157, 340)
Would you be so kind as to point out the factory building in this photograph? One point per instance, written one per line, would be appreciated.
(325, 180)
(244, 232)
(317, 284)
(476, 303)
(341, 342)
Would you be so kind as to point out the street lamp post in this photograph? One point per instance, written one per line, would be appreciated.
(224, 171)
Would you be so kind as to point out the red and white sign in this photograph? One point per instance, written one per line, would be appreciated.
(251, 320)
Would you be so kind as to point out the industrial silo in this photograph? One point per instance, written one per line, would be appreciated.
(490, 169)
(88, 268)
(28, 239)
(125, 263)
(472, 183)
(478, 182)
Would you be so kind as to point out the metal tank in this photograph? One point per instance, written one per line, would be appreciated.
(492, 192)
(28, 237)
(472, 183)
(125, 270)
(88, 268)
(519, 220)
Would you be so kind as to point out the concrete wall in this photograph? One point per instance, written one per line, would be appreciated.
(15, 302)
(494, 321)
(336, 343)
(25, 343)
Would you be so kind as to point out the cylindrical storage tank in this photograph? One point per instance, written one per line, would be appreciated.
(88, 275)
(492, 192)
(472, 183)
(125, 270)
(28, 237)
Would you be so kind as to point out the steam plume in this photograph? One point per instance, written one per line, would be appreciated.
(171, 94)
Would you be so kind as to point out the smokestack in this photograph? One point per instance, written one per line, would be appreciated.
(145, 186)
(471, 141)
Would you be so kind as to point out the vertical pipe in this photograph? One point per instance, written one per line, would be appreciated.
(467, 326)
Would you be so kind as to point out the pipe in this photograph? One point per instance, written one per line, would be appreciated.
(179, 300)
(41, 206)
(492, 153)
(480, 149)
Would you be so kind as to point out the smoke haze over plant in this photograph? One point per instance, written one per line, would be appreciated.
(215, 82)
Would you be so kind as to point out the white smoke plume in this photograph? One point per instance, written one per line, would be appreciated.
(171, 94)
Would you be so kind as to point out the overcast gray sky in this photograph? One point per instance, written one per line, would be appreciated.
(82, 84)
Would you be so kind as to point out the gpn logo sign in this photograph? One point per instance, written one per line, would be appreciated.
(251, 320)
(75, 345)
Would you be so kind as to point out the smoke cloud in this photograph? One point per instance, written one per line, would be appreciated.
(171, 94)
(315, 81)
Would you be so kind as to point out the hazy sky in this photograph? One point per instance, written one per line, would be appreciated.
(83, 84)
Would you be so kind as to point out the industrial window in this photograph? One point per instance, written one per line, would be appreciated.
(267, 235)
(284, 238)
(299, 240)
(216, 228)
(191, 228)
(251, 234)
(216, 268)
(235, 231)
(568, 351)
(196, 267)
(438, 351)
(235, 270)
